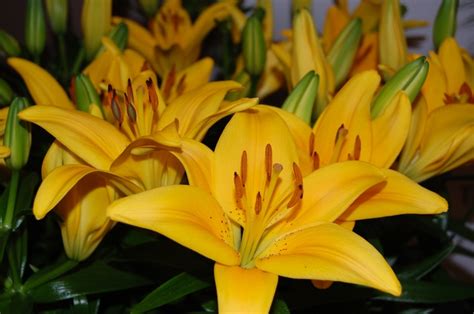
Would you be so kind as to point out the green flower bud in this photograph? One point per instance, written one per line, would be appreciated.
(302, 98)
(301, 4)
(244, 79)
(9, 44)
(57, 13)
(343, 51)
(392, 42)
(253, 45)
(6, 93)
(86, 95)
(95, 21)
(119, 35)
(149, 7)
(409, 79)
(17, 135)
(35, 27)
(445, 22)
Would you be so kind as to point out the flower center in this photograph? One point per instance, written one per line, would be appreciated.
(270, 204)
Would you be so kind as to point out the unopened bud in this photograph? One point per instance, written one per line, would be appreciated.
(57, 14)
(149, 7)
(343, 51)
(35, 27)
(244, 79)
(17, 135)
(119, 35)
(445, 22)
(9, 44)
(87, 98)
(6, 93)
(409, 79)
(392, 42)
(253, 44)
(95, 21)
(302, 98)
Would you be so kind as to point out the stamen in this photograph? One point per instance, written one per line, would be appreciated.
(297, 196)
(169, 82)
(109, 95)
(357, 148)
(297, 174)
(268, 161)
(239, 191)
(258, 203)
(181, 85)
(131, 111)
(339, 142)
(152, 96)
(316, 161)
(311, 143)
(130, 90)
(117, 112)
(243, 167)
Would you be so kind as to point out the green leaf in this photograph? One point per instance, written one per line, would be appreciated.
(81, 305)
(12, 303)
(431, 292)
(172, 290)
(96, 278)
(279, 307)
(424, 267)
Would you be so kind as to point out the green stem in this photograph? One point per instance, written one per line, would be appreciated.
(77, 63)
(46, 275)
(12, 192)
(253, 85)
(14, 272)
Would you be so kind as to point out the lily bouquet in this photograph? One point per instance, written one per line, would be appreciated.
(194, 164)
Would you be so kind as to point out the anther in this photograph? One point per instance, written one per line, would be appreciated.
(131, 111)
(357, 148)
(152, 96)
(239, 191)
(181, 85)
(297, 195)
(130, 90)
(243, 167)
(169, 82)
(258, 203)
(297, 174)
(268, 161)
(311, 143)
(316, 161)
(117, 112)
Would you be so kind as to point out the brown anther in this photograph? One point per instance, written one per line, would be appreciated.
(243, 167)
(357, 148)
(239, 190)
(316, 161)
(181, 85)
(116, 110)
(311, 143)
(268, 161)
(109, 96)
(130, 90)
(169, 82)
(297, 195)
(341, 132)
(152, 96)
(297, 174)
(131, 111)
(258, 203)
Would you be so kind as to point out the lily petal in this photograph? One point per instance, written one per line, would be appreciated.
(390, 131)
(398, 196)
(241, 290)
(61, 180)
(4, 151)
(329, 252)
(166, 211)
(92, 139)
(451, 59)
(44, 89)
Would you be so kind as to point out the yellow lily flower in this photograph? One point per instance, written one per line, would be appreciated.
(251, 211)
(441, 133)
(174, 41)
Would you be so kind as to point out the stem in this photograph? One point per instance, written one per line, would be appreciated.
(12, 192)
(13, 269)
(44, 276)
(78, 61)
(253, 85)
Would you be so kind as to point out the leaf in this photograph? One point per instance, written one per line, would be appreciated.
(11, 303)
(81, 305)
(172, 290)
(424, 267)
(431, 292)
(279, 307)
(96, 278)
(26, 192)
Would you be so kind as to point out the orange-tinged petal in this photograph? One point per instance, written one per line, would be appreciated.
(400, 195)
(451, 59)
(44, 89)
(334, 23)
(390, 130)
(61, 180)
(185, 214)
(367, 56)
(332, 189)
(350, 109)
(329, 252)
(251, 131)
(241, 290)
(92, 139)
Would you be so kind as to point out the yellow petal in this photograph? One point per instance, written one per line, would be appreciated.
(330, 190)
(57, 156)
(329, 252)
(390, 130)
(61, 180)
(195, 221)
(435, 85)
(251, 131)
(95, 141)
(367, 56)
(44, 89)
(398, 196)
(83, 217)
(241, 290)
(4, 151)
(350, 108)
(451, 59)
